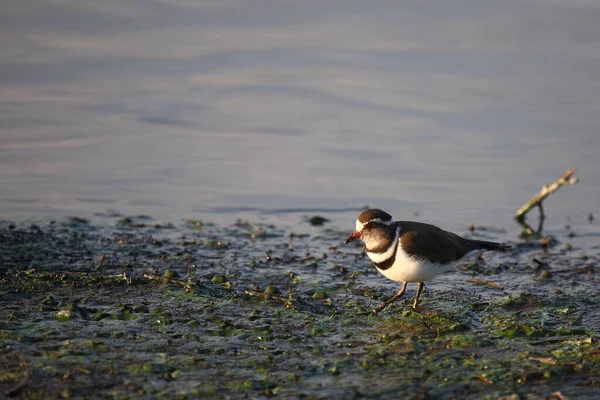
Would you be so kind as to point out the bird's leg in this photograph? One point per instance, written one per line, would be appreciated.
(391, 300)
(420, 287)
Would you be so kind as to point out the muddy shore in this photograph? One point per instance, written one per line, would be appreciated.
(250, 310)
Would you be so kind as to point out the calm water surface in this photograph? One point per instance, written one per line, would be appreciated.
(216, 109)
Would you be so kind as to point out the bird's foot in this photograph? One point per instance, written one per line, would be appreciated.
(423, 309)
(380, 307)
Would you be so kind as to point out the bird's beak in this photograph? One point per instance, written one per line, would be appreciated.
(355, 235)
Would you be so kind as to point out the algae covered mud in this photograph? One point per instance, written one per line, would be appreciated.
(252, 310)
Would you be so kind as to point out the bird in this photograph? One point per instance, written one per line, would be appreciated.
(407, 251)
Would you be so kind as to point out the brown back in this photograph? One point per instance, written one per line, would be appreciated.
(429, 242)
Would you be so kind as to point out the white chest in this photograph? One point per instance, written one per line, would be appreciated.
(408, 269)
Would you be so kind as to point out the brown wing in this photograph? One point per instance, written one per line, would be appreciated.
(432, 243)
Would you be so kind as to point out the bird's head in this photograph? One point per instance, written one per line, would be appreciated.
(373, 227)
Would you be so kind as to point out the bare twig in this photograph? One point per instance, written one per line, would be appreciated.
(287, 301)
(574, 271)
(187, 285)
(481, 282)
(528, 232)
(536, 201)
(538, 262)
(484, 379)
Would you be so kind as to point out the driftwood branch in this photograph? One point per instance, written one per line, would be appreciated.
(528, 232)
(547, 190)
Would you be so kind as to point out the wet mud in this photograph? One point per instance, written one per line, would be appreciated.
(249, 310)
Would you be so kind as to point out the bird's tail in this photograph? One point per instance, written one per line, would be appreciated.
(492, 245)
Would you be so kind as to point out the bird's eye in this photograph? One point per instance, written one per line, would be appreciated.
(370, 226)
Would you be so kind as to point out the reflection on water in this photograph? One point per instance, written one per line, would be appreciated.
(457, 110)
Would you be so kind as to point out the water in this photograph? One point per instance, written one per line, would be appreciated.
(456, 111)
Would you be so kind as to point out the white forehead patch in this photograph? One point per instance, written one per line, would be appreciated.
(359, 226)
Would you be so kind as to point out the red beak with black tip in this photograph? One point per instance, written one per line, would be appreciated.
(355, 235)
